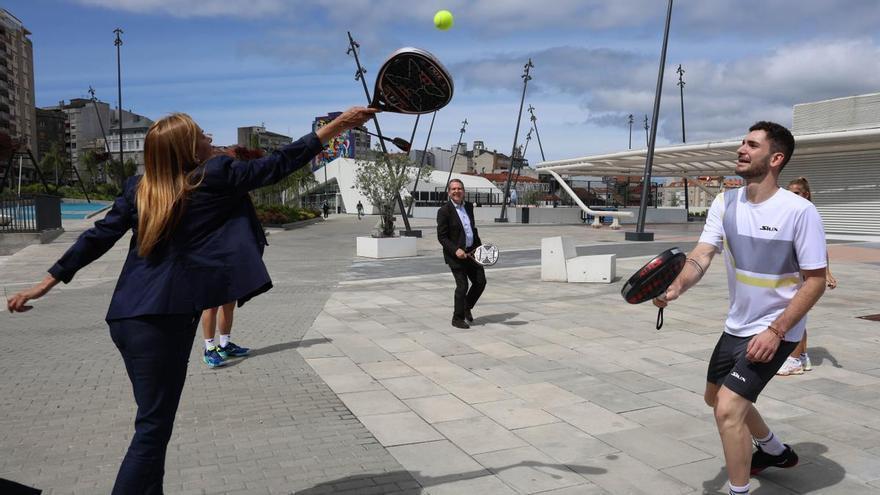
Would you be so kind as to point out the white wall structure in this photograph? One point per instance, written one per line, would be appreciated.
(837, 147)
(343, 172)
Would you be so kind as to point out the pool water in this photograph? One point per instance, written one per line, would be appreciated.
(79, 211)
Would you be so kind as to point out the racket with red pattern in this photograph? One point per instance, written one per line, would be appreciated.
(654, 278)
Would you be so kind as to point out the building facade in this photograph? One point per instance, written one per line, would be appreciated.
(258, 137)
(51, 136)
(17, 112)
(354, 143)
(134, 131)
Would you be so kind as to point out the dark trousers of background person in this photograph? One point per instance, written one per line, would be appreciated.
(156, 350)
(466, 299)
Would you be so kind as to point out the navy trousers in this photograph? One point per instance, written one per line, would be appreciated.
(156, 350)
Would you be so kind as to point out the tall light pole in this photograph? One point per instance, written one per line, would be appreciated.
(640, 234)
(353, 49)
(421, 164)
(535, 126)
(525, 77)
(118, 44)
(553, 186)
(464, 124)
(680, 72)
(630, 122)
(647, 138)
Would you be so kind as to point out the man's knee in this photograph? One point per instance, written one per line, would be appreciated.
(730, 408)
(710, 396)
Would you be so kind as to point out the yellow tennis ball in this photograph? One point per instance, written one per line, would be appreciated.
(443, 20)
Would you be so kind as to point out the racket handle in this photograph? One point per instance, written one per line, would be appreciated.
(659, 318)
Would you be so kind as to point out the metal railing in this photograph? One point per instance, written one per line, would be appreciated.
(30, 214)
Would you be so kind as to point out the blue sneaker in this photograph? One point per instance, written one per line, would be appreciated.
(232, 350)
(213, 358)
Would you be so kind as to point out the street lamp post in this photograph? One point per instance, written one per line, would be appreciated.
(464, 124)
(353, 47)
(421, 164)
(118, 44)
(630, 122)
(525, 77)
(640, 234)
(680, 72)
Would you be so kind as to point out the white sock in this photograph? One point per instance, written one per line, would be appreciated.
(738, 490)
(209, 343)
(771, 445)
(224, 340)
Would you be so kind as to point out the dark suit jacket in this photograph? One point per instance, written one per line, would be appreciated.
(213, 256)
(450, 232)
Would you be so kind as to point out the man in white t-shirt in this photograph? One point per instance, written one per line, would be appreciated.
(774, 247)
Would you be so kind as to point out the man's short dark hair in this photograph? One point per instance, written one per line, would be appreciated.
(454, 180)
(781, 140)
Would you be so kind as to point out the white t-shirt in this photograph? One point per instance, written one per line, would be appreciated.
(765, 247)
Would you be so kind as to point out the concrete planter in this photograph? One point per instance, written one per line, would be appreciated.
(386, 247)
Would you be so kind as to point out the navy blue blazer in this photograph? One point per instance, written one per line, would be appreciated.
(214, 254)
(450, 232)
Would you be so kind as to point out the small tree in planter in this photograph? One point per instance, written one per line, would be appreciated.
(381, 181)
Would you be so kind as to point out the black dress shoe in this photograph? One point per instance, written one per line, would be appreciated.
(460, 323)
(468, 316)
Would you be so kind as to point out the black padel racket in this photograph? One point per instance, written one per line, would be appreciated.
(654, 278)
(412, 81)
(485, 254)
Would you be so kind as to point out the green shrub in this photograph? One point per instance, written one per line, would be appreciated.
(277, 215)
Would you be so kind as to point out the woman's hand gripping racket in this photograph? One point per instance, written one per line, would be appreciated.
(654, 278)
(412, 81)
(485, 254)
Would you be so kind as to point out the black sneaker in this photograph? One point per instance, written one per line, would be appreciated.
(762, 460)
(468, 316)
(460, 323)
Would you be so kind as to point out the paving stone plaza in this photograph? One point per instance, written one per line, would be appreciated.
(358, 384)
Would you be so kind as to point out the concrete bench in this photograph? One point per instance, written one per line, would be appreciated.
(555, 253)
(560, 263)
(599, 268)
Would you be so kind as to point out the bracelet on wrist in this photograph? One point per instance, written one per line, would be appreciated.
(776, 332)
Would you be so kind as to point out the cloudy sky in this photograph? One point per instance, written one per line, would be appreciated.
(232, 63)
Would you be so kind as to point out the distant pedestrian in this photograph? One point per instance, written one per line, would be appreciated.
(799, 360)
(360, 209)
(326, 208)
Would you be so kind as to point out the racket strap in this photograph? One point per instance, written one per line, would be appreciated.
(660, 319)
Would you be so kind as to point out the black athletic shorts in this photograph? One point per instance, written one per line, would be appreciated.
(729, 366)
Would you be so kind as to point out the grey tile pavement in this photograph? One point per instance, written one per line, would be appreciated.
(358, 384)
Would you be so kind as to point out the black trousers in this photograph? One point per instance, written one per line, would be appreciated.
(466, 298)
(156, 351)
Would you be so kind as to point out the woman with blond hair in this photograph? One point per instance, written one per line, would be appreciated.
(196, 244)
(799, 360)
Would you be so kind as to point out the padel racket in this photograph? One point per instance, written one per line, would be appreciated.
(412, 81)
(654, 278)
(485, 254)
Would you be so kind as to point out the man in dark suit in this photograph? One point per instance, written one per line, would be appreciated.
(457, 233)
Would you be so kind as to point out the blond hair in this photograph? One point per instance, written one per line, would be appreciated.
(804, 184)
(170, 156)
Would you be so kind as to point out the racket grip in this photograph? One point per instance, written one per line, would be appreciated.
(659, 318)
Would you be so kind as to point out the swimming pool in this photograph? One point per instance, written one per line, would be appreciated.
(81, 210)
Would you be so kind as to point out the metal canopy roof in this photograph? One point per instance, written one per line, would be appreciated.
(717, 158)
